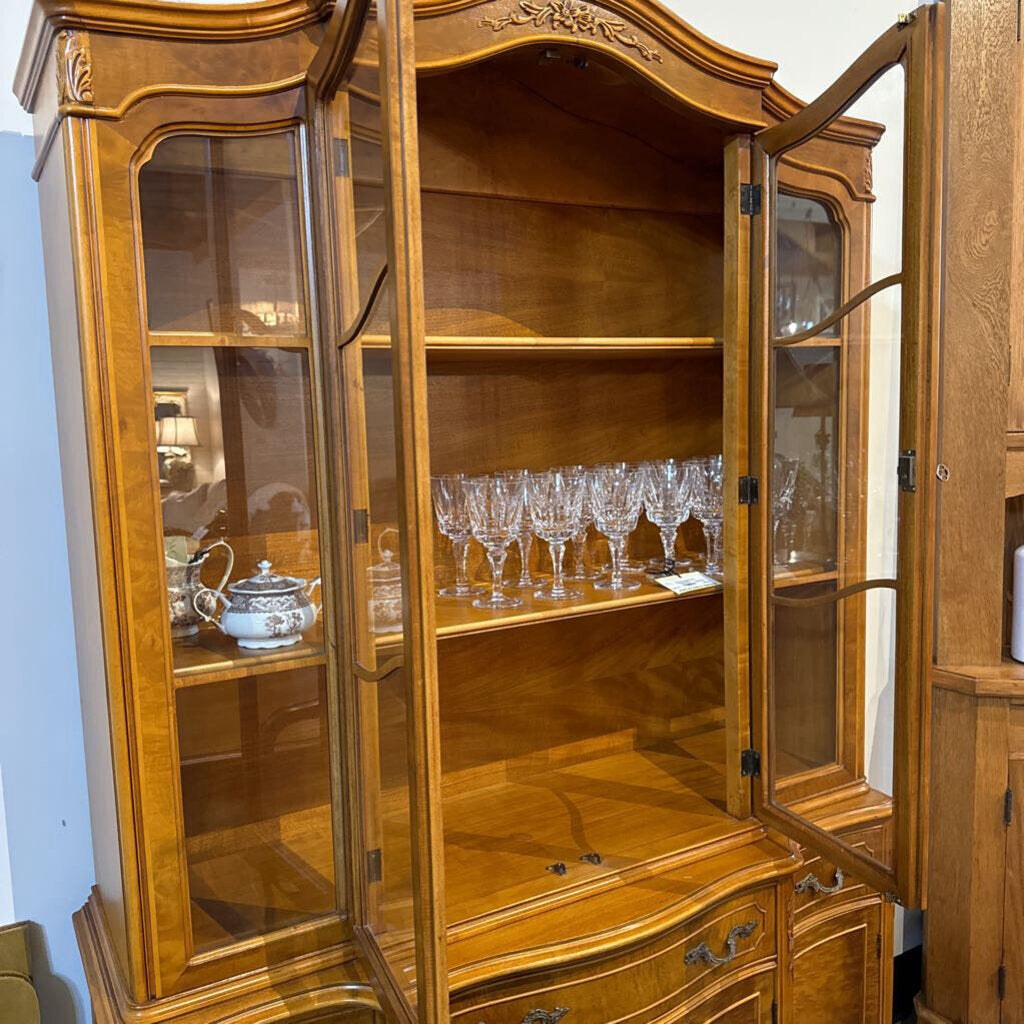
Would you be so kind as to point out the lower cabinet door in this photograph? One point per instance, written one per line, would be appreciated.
(837, 967)
(749, 1001)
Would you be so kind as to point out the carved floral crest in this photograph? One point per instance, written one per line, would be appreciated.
(574, 17)
(74, 72)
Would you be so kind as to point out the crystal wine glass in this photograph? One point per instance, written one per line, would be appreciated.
(667, 497)
(495, 512)
(615, 498)
(784, 473)
(452, 513)
(524, 538)
(556, 502)
(581, 569)
(708, 507)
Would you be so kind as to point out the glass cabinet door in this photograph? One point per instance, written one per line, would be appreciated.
(389, 644)
(843, 441)
(221, 446)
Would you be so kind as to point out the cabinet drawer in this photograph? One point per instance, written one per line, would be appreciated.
(819, 880)
(641, 984)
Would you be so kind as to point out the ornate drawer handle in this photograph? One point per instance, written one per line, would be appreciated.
(811, 884)
(544, 1016)
(703, 952)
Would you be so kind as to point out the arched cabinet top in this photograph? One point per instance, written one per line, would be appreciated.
(110, 53)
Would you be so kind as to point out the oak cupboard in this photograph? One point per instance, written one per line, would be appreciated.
(303, 255)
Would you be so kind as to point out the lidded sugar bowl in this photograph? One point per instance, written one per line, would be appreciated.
(385, 578)
(265, 610)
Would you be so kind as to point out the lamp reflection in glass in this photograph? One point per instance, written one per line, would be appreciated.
(175, 435)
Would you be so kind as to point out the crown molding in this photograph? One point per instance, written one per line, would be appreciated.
(662, 24)
(161, 18)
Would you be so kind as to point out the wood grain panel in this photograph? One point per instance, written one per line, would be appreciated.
(646, 983)
(1013, 927)
(837, 969)
(978, 243)
(968, 841)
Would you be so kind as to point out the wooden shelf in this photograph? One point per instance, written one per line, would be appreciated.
(641, 809)
(212, 657)
(506, 346)
(229, 871)
(457, 616)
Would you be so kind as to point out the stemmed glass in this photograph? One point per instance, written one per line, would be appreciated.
(581, 570)
(784, 473)
(667, 498)
(708, 507)
(495, 512)
(452, 513)
(615, 499)
(556, 501)
(524, 538)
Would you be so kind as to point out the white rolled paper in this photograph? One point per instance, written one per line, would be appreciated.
(1017, 630)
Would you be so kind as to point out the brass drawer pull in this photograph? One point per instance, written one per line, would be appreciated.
(544, 1016)
(703, 952)
(811, 884)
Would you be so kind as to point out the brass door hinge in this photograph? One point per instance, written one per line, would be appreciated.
(1008, 807)
(750, 200)
(341, 158)
(374, 865)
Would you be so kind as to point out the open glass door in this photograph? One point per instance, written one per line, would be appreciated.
(843, 389)
(364, 80)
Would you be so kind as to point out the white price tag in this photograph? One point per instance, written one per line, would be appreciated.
(686, 582)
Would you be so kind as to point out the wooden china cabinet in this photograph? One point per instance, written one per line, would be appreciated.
(300, 257)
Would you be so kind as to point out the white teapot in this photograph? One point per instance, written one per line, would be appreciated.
(264, 611)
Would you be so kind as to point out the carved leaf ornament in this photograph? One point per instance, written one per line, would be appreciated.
(574, 17)
(74, 73)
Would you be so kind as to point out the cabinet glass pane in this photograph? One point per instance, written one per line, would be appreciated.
(221, 234)
(255, 795)
(805, 476)
(835, 424)
(808, 264)
(380, 604)
(234, 447)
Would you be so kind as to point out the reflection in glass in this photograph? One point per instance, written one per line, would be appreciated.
(221, 235)
(806, 692)
(255, 794)
(808, 264)
(807, 420)
(381, 604)
(243, 472)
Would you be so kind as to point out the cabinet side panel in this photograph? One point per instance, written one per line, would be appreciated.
(74, 433)
(976, 330)
(965, 881)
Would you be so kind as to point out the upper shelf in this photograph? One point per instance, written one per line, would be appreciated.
(211, 657)
(451, 345)
(457, 616)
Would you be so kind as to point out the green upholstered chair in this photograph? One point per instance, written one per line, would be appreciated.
(18, 1002)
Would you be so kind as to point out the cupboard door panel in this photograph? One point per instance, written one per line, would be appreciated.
(821, 693)
(366, 87)
(837, 974)
(750, 1001)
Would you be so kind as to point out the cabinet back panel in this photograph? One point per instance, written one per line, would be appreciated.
(517, 702)
(570, 203)
(525, 414)
(501, 266)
